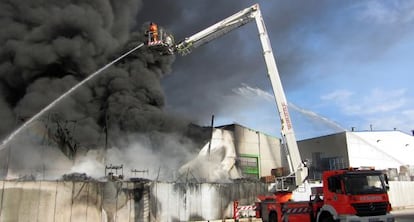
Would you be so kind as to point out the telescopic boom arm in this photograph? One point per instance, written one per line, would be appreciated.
(219, 29)
(297, 168)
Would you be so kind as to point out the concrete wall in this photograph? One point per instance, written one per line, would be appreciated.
(199, 202)
(68, 201)
(139, 201)
(401, 194)
(50, 201)
(121, 201)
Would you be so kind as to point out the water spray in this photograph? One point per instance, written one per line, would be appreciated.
(48, 107)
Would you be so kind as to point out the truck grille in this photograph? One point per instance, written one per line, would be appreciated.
(370, 209)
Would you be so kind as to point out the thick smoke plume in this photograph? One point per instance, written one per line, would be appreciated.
(49, 46)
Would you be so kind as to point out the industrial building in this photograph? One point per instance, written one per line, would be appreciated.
(237, 152)
(386, 150)
(256, 154)
(237, 159)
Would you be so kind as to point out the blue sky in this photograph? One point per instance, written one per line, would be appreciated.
(343, 64)
(367, 81)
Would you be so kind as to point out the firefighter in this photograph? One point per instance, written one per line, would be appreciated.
(153, 29)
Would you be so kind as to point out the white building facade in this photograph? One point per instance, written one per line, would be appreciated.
(392, 151)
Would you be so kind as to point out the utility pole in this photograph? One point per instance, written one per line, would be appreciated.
(209, 145)
(211, 135)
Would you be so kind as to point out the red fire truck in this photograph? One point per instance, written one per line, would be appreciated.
(349, 195)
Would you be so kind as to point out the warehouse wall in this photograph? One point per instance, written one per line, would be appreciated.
(66, 201)
(138, 201)
(385, 150)
(329, 146)
(121, 201)
(324, 153)
(388, 149)
(202, 201)
(268, 148)
(50, 201)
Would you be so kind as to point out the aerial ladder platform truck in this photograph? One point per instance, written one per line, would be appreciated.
(346, 195)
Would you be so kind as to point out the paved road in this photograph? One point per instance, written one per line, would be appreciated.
(405, 215)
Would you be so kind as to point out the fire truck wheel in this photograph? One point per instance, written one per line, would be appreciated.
(273, 217)
(328, 219)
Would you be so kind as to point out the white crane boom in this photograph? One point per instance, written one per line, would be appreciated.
(296, 165)
(297, 168)
(219, 29)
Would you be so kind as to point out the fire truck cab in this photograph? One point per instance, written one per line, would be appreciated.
(355, 195)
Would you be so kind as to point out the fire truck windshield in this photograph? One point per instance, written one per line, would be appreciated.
(364, 184)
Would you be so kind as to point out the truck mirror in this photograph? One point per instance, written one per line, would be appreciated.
(387, 186)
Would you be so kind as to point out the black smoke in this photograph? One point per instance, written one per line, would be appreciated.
(50, 46)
